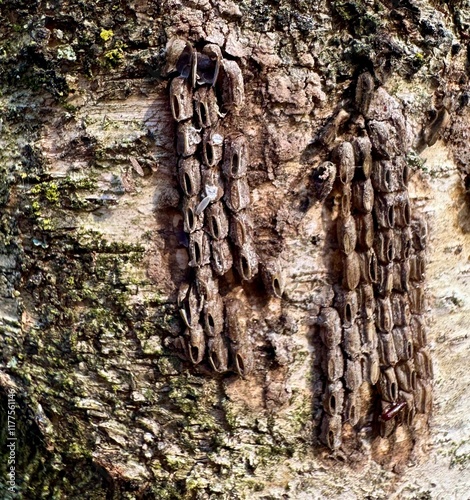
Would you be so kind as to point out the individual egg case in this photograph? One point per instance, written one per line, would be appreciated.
(375, 333)
(212, 171)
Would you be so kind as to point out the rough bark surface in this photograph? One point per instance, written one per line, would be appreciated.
(92, 253)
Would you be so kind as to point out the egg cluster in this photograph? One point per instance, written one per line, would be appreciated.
(374, 334)
(205, 95)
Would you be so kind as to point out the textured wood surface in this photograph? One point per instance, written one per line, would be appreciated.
(92, 252)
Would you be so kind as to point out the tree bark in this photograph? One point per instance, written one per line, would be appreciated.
(93, 252)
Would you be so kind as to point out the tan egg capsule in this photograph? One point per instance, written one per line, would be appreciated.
(273, 277)
(420, 398)
(384, 284)
(402, 174)
(212, 147)
(363, 157)
(237, 196)
(402, 209)
(384, 246)
(418, 267)
(351, 271)
(186, 60)
(366, 300)
(187, 139)
(189, 175)
(222, 260)
(390, 176)
(437, 126)
(190, 304)
(364, 91)
(217, 223)
(352, 408)
(213, 314)
(363, 196)
(384, 139)
(235, 160)
(334, 368)
(388, 385)
(384, 209)
(346, 232)
(218, 354)
(330, 327)
(247, 262)
(181, 302)
(213, 188)
(423, 397)
(191, 221)
(403, 342)
(400, 309)
(232, 88)
(199, 249)
(384, 315)
(205, 281)
(236, 330)
(352, 341)
(346, 303)
(428, 397)
(402, 243)
(206, 107)
(330, 433)
(323, 179)
(386, 349)
(365, 231)
(333, 398)
(196, 344)
(353, 374)
(401, 276)
(328, 133)
(235, 316)
(409, 411)
(370, 367)
(423, 363)
(343, 157)
(208, 64)
(243, 359)
(174, 50)
(419, 330)
(384, 176)
(419, 230)
(330, 130)
(345, 201)
(241, 228)
(369, 338)
(406, 376)
(369, 266)
(181, 100)
(417, 300)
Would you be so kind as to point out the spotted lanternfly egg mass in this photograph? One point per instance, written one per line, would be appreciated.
(374, 336)
(213, 162)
